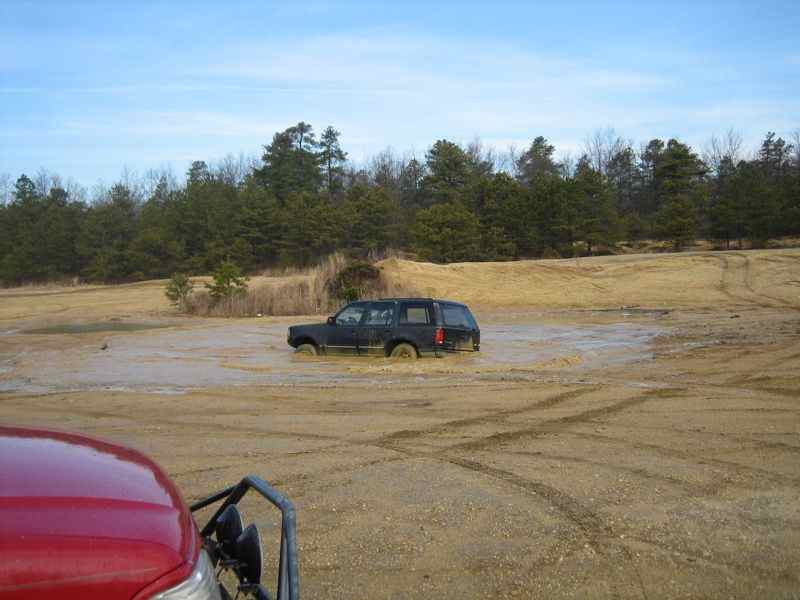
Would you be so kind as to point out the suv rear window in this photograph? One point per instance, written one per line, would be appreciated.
(415, 313)
(457, 316)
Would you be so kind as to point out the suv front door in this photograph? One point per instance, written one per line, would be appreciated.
(343, 335)
(376, 328)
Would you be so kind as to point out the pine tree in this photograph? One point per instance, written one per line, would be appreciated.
(595, 213)
(332, 158)
(537, 160)
(447, 233)
(291, 163)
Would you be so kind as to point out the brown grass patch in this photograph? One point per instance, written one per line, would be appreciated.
(299, 292)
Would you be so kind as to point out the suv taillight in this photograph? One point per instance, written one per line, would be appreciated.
(438, 337)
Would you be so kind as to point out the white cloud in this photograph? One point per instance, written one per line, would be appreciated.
(175, 123)
(409, 89)
(392, 62)
(383, 87)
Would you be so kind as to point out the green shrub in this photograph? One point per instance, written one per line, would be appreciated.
(178, 289)
(354, 281)
(228, 282)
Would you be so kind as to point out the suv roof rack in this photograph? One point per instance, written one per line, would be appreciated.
(416, 299)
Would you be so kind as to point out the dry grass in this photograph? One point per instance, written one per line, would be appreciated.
(58, 283)
(301, 292)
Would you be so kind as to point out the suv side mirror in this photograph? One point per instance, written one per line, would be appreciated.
(331, 320)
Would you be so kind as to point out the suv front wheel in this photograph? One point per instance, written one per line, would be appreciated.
(307, 349)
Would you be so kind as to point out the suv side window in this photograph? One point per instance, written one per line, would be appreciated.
(380, 313)
(350, 315)
(415, 313)
(457, 316)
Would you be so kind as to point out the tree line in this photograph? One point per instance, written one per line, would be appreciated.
(303, 200)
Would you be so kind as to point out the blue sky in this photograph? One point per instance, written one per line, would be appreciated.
(90, 87)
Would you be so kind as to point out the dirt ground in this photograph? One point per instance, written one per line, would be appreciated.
(630, 454)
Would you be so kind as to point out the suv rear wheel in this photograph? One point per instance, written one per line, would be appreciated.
(405, 351)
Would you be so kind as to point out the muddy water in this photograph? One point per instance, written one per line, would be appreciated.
(253, 353)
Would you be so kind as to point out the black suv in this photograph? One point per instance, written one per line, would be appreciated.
(397, 327)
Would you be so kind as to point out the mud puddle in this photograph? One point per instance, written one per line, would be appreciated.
(151, 358)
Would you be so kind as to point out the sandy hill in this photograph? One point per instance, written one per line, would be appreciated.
(753, 277)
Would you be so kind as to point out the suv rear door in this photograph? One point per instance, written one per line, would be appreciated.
(461, 333)
(416, 323)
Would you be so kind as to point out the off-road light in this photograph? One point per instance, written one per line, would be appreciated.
(228, 528)
(248, 554)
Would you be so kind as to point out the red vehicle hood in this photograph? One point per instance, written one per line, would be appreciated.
(83, 518)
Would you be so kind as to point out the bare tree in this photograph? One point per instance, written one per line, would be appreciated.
(510, 161)
(602, 145)
(505, 161)
(411, 174)
(162, 178)
(100, 192)
(45, 180)
(566, 165)
(75, 191)
(135, 185)
(795, 137)
(355, 174)
(484, 159)
(231, 170)
(384, 169)
(728, 147)
(5, 188)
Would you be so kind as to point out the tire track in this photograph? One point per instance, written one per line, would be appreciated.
(412, 434)
(736, 468)
(747, 282)
(746, 440)
(687, 486)
(597, 532)
(158, 421)
(783, 575)
(592, 525)
(725, 283)
(562, 423)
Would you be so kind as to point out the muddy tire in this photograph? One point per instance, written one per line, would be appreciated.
(307, 349)
(404, 351)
